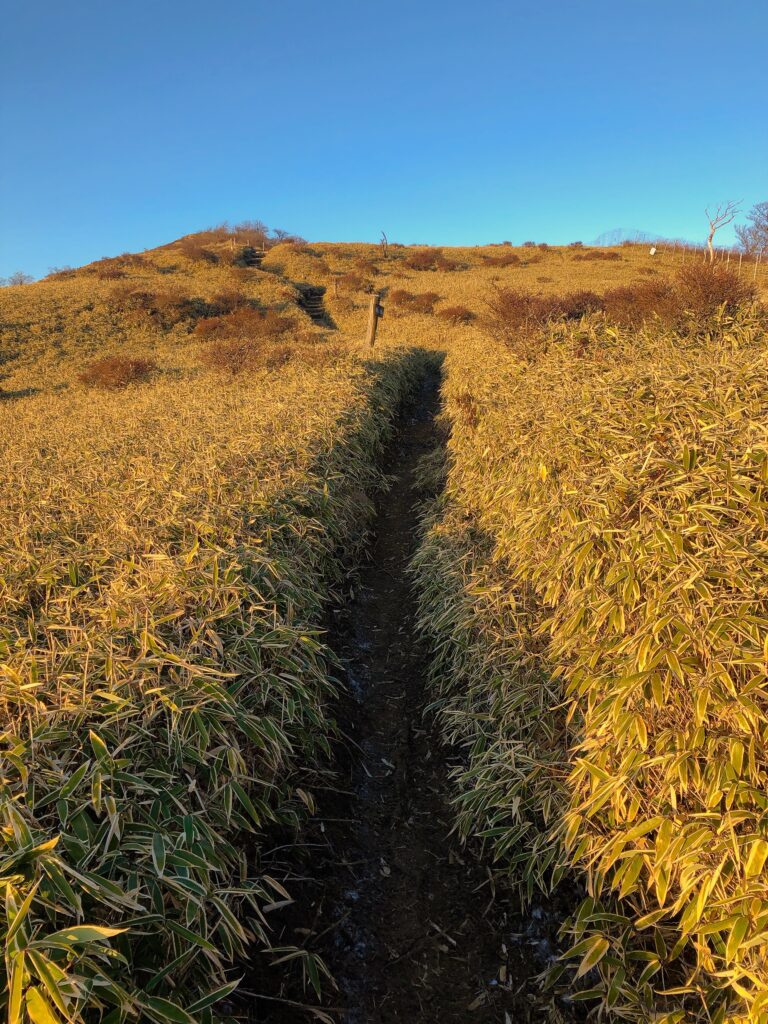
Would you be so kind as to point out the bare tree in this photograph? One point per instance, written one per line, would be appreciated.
(723, 214)
(384, 243)
(753, 236)
(254, 232)
(18, 278)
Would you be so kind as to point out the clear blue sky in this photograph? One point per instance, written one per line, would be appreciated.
(126, 124)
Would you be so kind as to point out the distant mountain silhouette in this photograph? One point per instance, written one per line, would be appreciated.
(619, 235)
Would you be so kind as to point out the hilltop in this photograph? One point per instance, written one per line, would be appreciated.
(169, 304)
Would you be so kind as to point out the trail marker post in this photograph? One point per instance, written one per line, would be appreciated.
(375, 312)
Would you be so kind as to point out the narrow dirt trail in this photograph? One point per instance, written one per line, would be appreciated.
(410, 934)
(405, 918)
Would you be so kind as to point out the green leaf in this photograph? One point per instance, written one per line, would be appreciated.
(597, 948)
(214, 996)
(99, 746)
(21, 914)
(78, 935)
(158, 852)
(15, 987)
(165, 1010)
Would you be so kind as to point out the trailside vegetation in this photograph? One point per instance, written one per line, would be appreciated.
(592, 583)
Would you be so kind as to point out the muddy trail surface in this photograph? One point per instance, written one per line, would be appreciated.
(405, 917)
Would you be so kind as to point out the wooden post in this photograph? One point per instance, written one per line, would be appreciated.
(740, 255)
(374, 312)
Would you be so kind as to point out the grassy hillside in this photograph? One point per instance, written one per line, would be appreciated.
(169, 543)
(592, 584)
(189, 444)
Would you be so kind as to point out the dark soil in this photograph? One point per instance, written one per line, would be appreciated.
(406, 918)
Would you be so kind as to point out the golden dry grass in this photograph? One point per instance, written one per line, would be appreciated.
(166, 553)
(166, 550)
(593, 583)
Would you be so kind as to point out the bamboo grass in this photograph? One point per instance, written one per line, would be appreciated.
(593, 584)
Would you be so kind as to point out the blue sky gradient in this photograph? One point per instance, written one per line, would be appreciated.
(125, 125)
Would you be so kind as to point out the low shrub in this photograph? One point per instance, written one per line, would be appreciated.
(687, 303)
(353, 282)
(513, 314)
(115, 372)
(194, 249)
(507, 259)
(456, 314)
(366, 266)
(245, 321)
(598, 254)
(632, 304)
(703, 288)
(233, 355)
(697, 293)
(410, 302)
(430, 259)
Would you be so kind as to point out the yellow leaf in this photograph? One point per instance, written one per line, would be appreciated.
(757, 857)
(39, 1009)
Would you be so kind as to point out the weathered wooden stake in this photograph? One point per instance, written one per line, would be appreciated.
(374, 312)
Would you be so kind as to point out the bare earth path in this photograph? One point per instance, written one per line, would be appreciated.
(410, 927)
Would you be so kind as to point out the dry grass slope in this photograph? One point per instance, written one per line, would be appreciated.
(185, 452)
(592, 584)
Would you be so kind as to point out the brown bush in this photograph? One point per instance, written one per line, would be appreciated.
(512, 313)
(233, 355)
(697, 293)
(703, 288)
(244, 322)
(632, 304)
(597, 254)
(195, 249)
(507, 259)
(354, 283)
(456, 315)
(115, 372)
(410, 302)
(237, 356)
(430, 259)
(166, 308)
(574, 305)
(366, 266)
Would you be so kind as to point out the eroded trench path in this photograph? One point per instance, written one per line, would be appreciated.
(408, 919)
